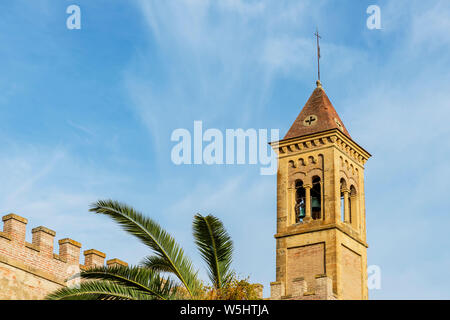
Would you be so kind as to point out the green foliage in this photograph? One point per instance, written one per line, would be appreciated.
(215, 246)
(146, 282)
(150, 233)
(234, 289)
(156, 264)
(125, 282)
(99, 290)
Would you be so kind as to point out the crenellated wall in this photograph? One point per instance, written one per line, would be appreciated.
(321, 289)
(32, 270)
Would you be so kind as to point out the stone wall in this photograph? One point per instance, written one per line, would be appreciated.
(320, 289)
(305, 261)
(351, 275)
(32, 270)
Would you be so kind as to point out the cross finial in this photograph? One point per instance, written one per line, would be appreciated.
(318, 56)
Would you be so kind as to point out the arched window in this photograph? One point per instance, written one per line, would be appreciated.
(316, 198)
(349, 217)
(352, 205)
(343, 187)
(300, 201)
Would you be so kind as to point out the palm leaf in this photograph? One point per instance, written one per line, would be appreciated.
(150, 233)
(99, 290)
(156, 264)
(215, 246)
(141, 279)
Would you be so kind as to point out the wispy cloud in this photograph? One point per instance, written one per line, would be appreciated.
(28, 183)
(80, 127)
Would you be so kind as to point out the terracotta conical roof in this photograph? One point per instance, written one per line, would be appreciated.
(317, 115)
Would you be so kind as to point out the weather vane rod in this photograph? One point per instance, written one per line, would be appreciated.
(318, 52)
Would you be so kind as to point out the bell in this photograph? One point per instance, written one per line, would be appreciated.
(315, 203)
(302, 213)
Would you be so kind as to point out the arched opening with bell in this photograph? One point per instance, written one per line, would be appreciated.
(300, 201)
(316, 198)
(343, 199)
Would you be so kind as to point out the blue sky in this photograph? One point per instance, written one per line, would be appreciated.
(87, 114)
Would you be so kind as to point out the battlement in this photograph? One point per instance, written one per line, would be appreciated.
(322, 290)
(31, 270)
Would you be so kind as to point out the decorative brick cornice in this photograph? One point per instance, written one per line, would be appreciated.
(116, 262)
(44, 229)
(5, 235)
(32, 246)
(69, 241)
(57, 257)
(319, 227)
(96, 252)
(320, 140)
(15, 217)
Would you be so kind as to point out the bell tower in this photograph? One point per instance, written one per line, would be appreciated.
(321, 249)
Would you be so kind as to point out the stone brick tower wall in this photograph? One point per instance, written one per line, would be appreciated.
(30, 271)
(320, 253)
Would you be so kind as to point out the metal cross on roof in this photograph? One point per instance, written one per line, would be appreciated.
(318, 53)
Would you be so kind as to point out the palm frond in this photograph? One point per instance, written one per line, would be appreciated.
(156, 264)
(151, 234)
(141, 279)
(215, 246)
(99, 290)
